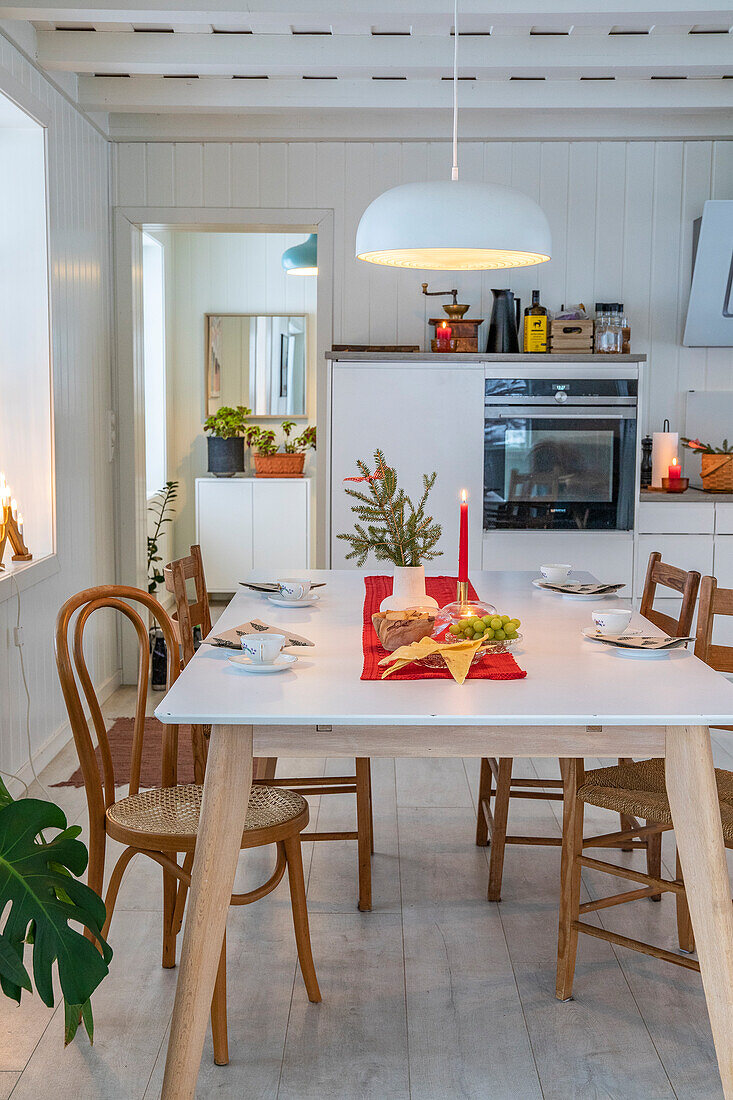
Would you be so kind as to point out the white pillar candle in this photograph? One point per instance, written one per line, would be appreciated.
(664, 448)
(20, 523)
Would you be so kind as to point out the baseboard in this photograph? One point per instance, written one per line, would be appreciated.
(58, 740)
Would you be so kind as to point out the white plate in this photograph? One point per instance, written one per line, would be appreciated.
(651, 654)
(582, 597)
(294, 603)
(281, 663)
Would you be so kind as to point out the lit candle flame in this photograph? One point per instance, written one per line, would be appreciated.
(444, 324)
(463, 496)
(675, 462)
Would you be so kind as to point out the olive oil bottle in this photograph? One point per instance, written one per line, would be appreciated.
(536, 326)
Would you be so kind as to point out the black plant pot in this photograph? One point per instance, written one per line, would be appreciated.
(226, 456)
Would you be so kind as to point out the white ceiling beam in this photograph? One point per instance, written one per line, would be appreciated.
(278, 56)
(156, 94)
(542, 123)
(235, 12)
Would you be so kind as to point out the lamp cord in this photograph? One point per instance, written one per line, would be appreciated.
(454, 171)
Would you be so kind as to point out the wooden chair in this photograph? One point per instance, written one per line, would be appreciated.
(491, 826)
(196, 613)
(162, 822)
(635, 790)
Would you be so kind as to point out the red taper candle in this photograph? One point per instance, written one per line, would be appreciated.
(463, 539)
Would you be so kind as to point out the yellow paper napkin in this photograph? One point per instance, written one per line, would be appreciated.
(457, 656)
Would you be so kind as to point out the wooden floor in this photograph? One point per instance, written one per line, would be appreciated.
(433, 995)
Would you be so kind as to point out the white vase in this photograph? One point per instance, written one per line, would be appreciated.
(408, 589)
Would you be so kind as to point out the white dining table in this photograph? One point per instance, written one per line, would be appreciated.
(579, 698)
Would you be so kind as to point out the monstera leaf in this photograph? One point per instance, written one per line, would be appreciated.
(38, 878)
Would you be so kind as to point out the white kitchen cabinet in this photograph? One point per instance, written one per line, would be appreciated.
(684, 551)
(424, 417)
(609, 555)
(252, 523)
(672, 517)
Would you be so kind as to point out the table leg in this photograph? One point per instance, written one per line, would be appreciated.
(693, 799)
(223, 810)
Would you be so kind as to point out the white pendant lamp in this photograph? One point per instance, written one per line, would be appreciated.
(451, 224)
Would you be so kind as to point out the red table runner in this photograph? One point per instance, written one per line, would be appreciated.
(499, 666)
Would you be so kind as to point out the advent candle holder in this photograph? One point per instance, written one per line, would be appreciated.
(10, 529)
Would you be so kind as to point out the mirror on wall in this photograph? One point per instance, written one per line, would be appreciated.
(256, 360)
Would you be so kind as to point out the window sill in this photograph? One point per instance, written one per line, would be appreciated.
(26, 574)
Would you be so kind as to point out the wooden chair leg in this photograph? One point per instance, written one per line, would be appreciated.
(484, 795)
(572, 850)
(685, 935)
(294, 859)
(371, 806)
(219, 1011)
(170, 892)
(654, 857)
(364, 839)
(498, 831)
(628, 822)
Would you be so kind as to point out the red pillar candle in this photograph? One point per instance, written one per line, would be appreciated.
(675, 470)
(443, 331)
(463, 539)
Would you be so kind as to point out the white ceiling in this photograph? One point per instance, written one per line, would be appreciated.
(347, 68)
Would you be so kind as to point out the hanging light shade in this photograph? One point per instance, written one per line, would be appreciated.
(453, 225)
(302, 259)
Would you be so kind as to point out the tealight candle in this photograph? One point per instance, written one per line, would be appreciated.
(443, 331)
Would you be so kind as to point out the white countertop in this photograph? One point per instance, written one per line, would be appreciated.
(570, 680)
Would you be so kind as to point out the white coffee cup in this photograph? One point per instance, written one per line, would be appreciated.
(264, 649)
(556, 574)
(613, 621)
(294, 589)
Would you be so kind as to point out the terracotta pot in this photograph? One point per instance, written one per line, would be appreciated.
(279, 465)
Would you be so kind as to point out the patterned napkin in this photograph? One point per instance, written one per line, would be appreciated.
(576, 589)
(229, 639)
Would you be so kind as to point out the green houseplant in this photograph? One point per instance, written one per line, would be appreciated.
(227, 428)
(40, 894)
(270, 461)
(395, 530)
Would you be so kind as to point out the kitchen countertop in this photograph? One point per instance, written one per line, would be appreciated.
(690, 496)
(477, 357)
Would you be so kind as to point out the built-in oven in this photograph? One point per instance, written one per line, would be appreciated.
(560, 451)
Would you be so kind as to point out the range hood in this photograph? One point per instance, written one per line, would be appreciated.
(710, 310)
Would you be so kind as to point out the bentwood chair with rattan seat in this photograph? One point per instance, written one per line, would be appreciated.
(163, 821)
(634, 790)
(190, 614)
(496, 780)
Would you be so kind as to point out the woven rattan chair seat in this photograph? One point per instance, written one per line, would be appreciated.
(638, 790)
(174, 811)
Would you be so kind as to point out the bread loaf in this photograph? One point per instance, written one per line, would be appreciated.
(397, 628)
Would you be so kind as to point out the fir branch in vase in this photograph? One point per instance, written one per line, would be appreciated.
(389, 524)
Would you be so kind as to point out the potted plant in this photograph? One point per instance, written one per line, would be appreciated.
(227, 428)
(41, 899)
(395, 530)
(716, 465)
(270, 461)
(161, 507)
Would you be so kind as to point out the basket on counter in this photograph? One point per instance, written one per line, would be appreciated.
(279, 465)
(717, 473)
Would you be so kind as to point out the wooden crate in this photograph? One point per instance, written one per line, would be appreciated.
(571, 336)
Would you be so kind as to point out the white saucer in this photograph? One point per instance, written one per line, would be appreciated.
(281, 663)
(293, 603)
(582, 597)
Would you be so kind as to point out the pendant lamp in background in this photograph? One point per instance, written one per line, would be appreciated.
(452, 225)
(302, 259)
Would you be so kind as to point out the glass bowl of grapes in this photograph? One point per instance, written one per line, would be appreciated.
(461, 622)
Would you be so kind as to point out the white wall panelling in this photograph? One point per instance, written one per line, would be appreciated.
(78, 183)
(620, 212)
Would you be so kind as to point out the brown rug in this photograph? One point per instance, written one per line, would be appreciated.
(120, 743)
